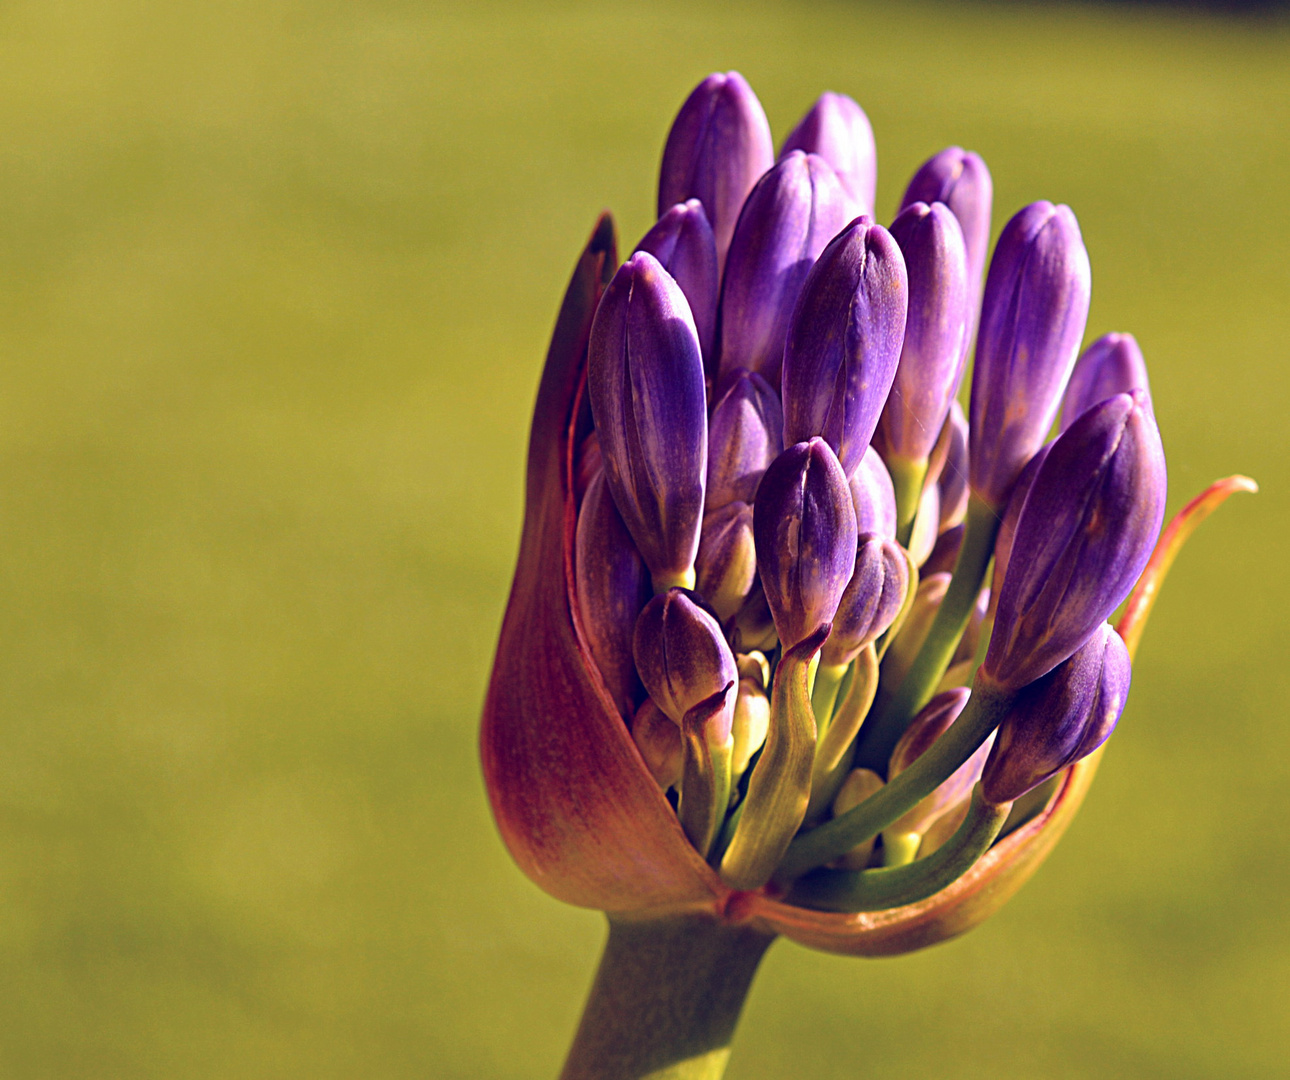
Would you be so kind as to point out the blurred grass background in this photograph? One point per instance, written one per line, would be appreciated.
(275, 285)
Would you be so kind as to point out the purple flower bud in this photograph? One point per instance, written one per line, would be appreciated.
(928, 726)
(1032, 319)
(1008, 526)
(587, 467)
(681, 654)
(613, 585)
(844, 342)
(805, 529)
(953, 478)
(1083, 536)
(645, 381)
(1060, 718)
(719, 145)
(1112, 365)
(745, 435)
(726, 567)
(960, 180)
(871, 601)
(683, 243)
(934, 350)
(792, 213)
(873, 496)
(922, 537)
(659, 741)
(837, 129)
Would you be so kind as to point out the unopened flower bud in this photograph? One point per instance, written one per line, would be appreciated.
(959, 179)
(873, 496)
(837, 129)
(858, 786)
(933, 353)
(844, 342)
(805, 529)
(681, 654)
(726, 567)
(953, 478)
(927, 519)
(745, 435)
(645, 381)
(1082, 539)
(719, 145)
(792, 213)
(659, 741)
(1032, 319)
(1060, 718)
(683, 243)
(1008, 527)
(752, 721)
(1112, 365)
(871, 601)
(754, 627)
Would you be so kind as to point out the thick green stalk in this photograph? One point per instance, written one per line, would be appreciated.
(885, 729)
(666, 1000)
(875, 890)
(984, 710)
(907, 477)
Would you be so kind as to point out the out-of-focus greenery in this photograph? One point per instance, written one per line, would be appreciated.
(275, 284)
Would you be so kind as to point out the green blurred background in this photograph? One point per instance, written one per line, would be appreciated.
(275, 285)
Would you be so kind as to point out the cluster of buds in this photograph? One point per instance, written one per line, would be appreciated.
(739, 670)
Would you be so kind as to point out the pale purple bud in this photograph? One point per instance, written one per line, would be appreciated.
(871, 601)
(745, 435)
(645, 381)
(1060, 718)
(953, 478)
(805, 529)
(726, 567)
(613, 585)
(1112, 365)
(1083, 536)
(933, 354)
(1032, 319)
(658, 739)
(837, 129)
(792, 213)
(681, 654)
(874, 496)
(682, 241)
(960, 180)
(719, 145)
(844, 342)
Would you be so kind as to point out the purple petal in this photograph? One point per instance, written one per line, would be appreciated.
(837, 129)
(844, 342)
(681, 653)
(645, 381)
(1032, 319)
(719, 145)
(871, 601)
(874, 496)
(745, 435)
(683, 243)
(1112, 365)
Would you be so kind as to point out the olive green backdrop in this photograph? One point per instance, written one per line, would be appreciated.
(275, 285)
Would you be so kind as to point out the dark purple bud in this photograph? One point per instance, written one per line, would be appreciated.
(681, 654)
(1060, 718)
(873, 496)
(871, 601)
(719, 145)
(960, 180)
(929, 725)
(1112, 365)
(934, 350)
(792, 213)
(1032, 319)
(745, 435)
(726, 567)
(613, 585)
(1083, 536)
(844, 342)
(645, 381)
(588, 466)
(682, 241)
(805, 529)
(837, 129)
(953, 479)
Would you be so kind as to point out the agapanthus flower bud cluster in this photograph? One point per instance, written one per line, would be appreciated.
(777, 525)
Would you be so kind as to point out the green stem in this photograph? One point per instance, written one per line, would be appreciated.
(985, 708)
(907, 477)
(875, 890)
(886, 728)
(832, 757)
(900, 848)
